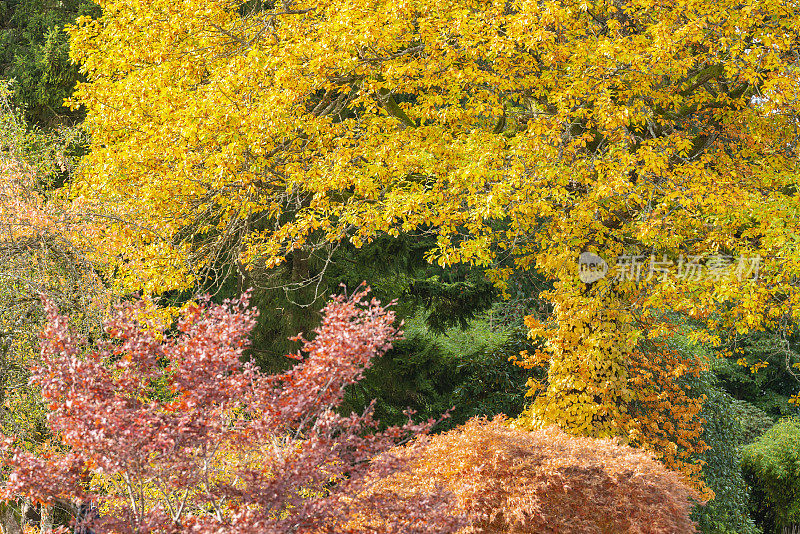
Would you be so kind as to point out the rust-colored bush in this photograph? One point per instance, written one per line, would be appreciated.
(545, 481)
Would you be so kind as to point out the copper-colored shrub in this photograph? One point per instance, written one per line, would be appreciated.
(515, 481)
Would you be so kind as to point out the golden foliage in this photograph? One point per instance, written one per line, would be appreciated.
(535, 130)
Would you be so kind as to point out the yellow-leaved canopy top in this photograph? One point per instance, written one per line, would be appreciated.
(227, 131)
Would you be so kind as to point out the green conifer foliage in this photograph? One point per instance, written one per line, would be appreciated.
(34, 51)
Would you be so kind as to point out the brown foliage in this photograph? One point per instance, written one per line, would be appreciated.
(545, 481)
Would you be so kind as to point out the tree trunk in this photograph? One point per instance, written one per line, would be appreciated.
(8, 520)
(46, 524)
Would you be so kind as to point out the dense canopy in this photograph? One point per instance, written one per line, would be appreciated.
(521, 134)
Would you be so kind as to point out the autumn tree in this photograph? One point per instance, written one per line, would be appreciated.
(514, 481)
(37, 255)
(522, 132)
(172, 433)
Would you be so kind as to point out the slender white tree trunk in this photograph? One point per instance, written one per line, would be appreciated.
(46, 523)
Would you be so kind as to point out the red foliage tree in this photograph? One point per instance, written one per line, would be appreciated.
(193, 440)
(514, 481)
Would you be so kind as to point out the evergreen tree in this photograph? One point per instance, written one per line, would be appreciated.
(34, 51)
